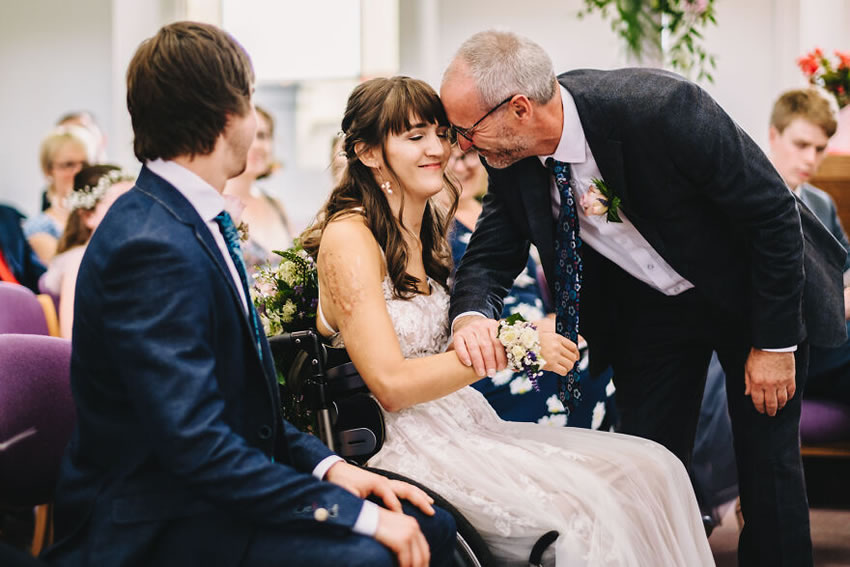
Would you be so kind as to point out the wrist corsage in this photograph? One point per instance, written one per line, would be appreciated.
(522, 346)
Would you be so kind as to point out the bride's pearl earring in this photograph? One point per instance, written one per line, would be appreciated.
(386, 187)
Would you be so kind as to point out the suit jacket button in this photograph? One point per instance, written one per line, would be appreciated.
(265, 432)
(320, 515)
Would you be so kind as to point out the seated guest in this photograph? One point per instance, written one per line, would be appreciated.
(87, 120)
(511, 393)
(64, 152)
(96, 188)
(179, 455)
(268, 225)
(18, 261)
(801, 124)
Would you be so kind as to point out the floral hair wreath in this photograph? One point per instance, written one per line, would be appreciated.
(86, 197)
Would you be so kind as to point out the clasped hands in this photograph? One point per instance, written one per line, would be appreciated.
(477, 345)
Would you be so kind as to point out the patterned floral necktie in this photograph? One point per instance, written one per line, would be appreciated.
(231, 238)
(567, 277)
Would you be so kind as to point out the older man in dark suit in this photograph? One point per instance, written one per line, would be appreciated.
(180, 455)
(665, 228)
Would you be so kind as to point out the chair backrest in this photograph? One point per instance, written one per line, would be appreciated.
(20, 311)
(36, 416)
(824, 421)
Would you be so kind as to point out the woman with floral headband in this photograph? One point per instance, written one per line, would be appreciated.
(383, 262)
(96, 187)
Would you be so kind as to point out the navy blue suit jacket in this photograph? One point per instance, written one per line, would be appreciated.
(179, 452)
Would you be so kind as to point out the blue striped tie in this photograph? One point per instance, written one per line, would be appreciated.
(231, 238)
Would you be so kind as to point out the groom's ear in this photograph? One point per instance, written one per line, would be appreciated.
(368, 156)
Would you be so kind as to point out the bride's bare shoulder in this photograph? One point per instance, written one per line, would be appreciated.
(348, 240)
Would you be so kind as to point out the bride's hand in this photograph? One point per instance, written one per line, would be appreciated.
(559, 352)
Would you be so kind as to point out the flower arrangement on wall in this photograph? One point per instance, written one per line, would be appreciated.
(831, 74)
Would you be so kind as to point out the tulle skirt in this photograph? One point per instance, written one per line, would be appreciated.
(614, 499)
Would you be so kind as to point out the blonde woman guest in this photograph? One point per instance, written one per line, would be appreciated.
(64, 152)
(265, 216)
(96, 188)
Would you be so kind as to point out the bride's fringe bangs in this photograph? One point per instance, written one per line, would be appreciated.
(376, 109)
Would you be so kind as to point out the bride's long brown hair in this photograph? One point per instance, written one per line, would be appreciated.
(375, 110)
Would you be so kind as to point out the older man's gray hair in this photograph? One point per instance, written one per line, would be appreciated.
(503, 64)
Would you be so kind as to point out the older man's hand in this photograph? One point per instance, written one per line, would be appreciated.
(476, 344)
(770, 379)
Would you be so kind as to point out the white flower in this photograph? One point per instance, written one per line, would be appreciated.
(610, 389)
(598, 415)
(520, 385)
(528, 312)
(554, 405)
(524, 279)
(594, 202)
(508, 335)
(502, 377)
(287, 312)
(559, 420)
(529, 338)
(518, 352)
(287, 271)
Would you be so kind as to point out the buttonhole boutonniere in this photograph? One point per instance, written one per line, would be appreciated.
(600, 200)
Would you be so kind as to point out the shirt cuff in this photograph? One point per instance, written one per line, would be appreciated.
(464, 314)
(324, 465)
(367, 521)
(786, 349)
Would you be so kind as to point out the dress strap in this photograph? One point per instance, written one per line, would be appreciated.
(322, 318)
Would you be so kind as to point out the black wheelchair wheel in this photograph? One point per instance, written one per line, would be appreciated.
(470, 549)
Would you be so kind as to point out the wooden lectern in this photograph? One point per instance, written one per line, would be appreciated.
(834, 178)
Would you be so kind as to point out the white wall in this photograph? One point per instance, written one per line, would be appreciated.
(54, 58)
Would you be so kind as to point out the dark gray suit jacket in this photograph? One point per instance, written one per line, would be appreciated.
(697, 188)
(825, 210)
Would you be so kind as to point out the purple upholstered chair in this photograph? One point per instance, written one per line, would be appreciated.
(823, 421)
(36, 419)
(20, 311)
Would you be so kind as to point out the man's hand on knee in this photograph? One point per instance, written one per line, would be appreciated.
(477, 345)
(401, 534)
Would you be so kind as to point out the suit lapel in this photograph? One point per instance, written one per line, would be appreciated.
(534, 183)
(174, 201)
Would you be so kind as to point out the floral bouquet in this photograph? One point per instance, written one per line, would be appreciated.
(522, 347)
(286, 297)
(834, 76)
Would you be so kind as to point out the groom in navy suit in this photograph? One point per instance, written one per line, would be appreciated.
(709, 251)
(180, 455)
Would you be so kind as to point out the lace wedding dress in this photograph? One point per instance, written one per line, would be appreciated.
(614, 499)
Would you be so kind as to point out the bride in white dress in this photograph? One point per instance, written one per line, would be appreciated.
(383, 263)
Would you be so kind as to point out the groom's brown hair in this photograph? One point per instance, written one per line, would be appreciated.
(182, 84)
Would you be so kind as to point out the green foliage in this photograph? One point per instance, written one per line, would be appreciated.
(643, 23)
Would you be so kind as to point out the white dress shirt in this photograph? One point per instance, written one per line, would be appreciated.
(209, 203)
(619, 242)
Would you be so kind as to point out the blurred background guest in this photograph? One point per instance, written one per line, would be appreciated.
(96, 187)
(268, 224)
(86, 119)
(64, 152)
(18, 262)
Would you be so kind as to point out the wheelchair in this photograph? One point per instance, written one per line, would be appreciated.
(351, 423)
